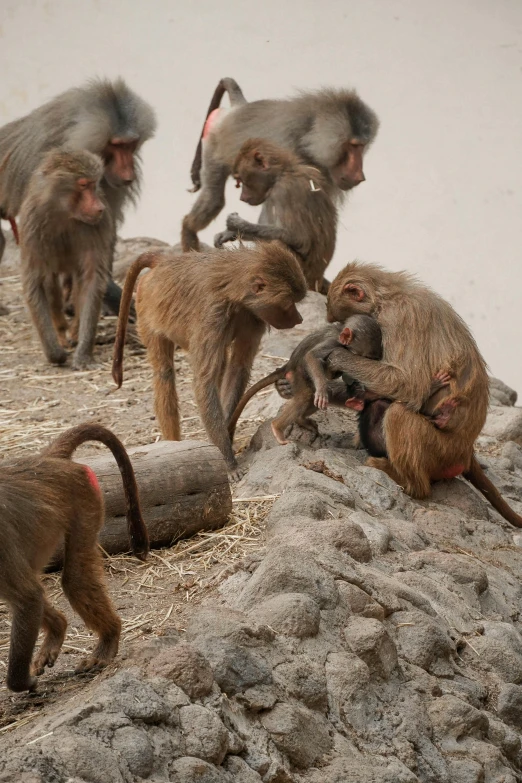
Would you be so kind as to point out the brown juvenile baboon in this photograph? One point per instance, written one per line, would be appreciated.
(308, 373)
(106, 118)
(216, 305)
(328, 128)
(45, 499)
(422, 334)
(65, 229)
(298, 206)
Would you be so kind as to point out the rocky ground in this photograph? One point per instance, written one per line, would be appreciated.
(369, 638)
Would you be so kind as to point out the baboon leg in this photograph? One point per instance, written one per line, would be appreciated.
(293, 412)
(160, 352)
(54, 293)
(207, 206)
(93, 284)
(26, 601)
(83, 584)
(54, 625)
(34, 289)
(414, 450)
(384, 464)
(239, 366)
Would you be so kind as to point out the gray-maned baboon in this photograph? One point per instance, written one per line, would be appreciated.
(422, 335)
(216, 305)
(66, 229)
(328, 128)
(44, 500)
(106, 118)
(308, 375)
(297, 204)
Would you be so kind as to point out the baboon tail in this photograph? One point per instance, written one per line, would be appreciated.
(236, 97)
(67, 443)
(274, 376)
(142, 262)
(476, 476)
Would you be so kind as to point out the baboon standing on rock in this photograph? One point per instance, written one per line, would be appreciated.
(422, 337)
(106, 118)
(216, 305)
(328, 128)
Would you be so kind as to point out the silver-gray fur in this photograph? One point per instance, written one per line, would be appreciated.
(314, 125)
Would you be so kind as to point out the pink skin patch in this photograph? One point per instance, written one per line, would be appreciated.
(452, 472)
(211, 119)
(93, 481)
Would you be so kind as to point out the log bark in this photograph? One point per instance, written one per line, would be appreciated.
(183, 488)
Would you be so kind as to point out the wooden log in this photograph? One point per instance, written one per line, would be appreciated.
(183, 488)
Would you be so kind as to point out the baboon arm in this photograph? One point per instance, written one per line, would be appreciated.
(253, 231)
(383, 379)
(316, 371)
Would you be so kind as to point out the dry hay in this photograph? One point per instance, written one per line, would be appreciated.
(37, 402)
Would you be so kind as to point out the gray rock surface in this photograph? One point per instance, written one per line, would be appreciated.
(376, 639)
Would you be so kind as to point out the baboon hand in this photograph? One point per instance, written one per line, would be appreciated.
(235, 222)
(321, 399)
(223, 237)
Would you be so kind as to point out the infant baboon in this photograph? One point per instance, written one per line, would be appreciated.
(66, 230)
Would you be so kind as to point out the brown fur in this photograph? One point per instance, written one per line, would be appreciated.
(329, 129)
(66, 229)
(104, 117)
(422, 335)
(44, 499)
(298, 206)
(216, 305)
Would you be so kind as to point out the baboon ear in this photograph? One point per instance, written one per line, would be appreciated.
(258, 285)
(260, 160)
(354, 291)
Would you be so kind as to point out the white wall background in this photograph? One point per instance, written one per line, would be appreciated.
(443, 196)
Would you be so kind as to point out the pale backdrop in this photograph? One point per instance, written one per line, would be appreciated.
(443, 193)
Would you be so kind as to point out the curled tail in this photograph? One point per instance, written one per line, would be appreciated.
(274, 376)
(236, 97)
(476, 476)
(142, 262)
(67, 443)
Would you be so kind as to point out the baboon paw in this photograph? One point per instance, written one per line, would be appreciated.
(84, 363)
(235, 474)
(223, 237)
(321, 400)
(45, 658)
(19, 686)
(58, 356)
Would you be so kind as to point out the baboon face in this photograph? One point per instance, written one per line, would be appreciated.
(119, 162)
(87, 206)
(255, 178)
(348, 172)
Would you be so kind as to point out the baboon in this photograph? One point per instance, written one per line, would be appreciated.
(328, 128)
(298, 206)
(106, 118)
(308, 374)
(422, 335)
(44, 500)
(66, 229)
(216, 305)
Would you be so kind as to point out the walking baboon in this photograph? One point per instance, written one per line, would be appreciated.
(297, 204)
(328, 128)
(44, 500)
(65, 229)
(216, 305)
(422, 335)
(106, 118)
